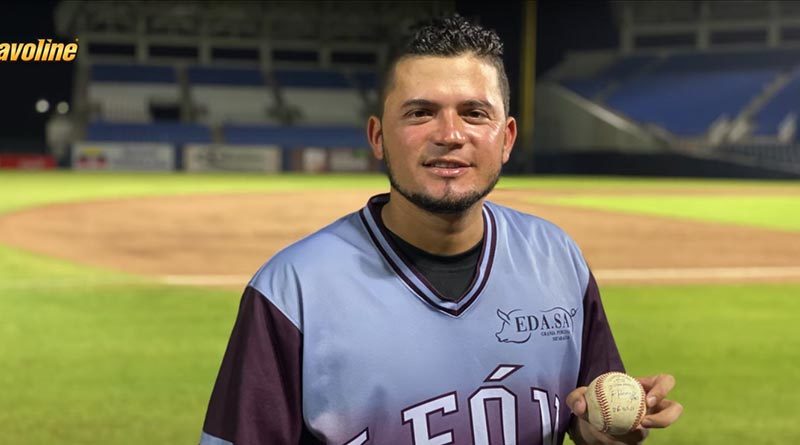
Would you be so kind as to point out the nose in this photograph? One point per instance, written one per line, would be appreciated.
(450, 132)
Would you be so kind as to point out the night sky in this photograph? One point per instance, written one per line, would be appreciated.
(562, 25)
(24, 83)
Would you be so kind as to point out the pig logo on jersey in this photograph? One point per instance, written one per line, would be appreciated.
(519, 327)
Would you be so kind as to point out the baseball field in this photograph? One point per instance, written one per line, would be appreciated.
(118, 292)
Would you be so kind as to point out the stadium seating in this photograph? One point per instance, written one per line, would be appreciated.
(221, 95)
(687, 103)
(322, 97)
(329, 107)
(367, 83)
(293, 137)
(177, 133)
(787, 156)
(622, 69)
(775, 111)
(685, 93)
(125, 93)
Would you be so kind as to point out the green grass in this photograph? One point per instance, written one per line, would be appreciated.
(27, 189)
(733, 349)
(95, 357)
(602, 183)
(772, 212)
(110, 364)
(22, 190)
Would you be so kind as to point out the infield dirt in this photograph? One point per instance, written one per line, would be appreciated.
(233, 234)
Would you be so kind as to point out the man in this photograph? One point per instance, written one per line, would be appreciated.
(431, 316)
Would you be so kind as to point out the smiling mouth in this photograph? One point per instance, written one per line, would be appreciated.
(447, 169)
(446, 164)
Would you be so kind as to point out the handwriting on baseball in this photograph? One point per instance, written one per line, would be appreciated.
(623, 391)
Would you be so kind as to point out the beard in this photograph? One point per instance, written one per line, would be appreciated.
(450, 203)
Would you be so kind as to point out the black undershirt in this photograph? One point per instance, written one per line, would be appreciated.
(451, 275)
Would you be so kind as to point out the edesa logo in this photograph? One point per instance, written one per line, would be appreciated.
(555, 323)
(44, 50)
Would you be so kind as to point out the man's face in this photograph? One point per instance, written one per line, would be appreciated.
(444, 133)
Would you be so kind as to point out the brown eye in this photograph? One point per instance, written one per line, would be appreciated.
(418, 114)
(477, 114)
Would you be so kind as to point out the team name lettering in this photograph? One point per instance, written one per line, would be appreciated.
(417, 417)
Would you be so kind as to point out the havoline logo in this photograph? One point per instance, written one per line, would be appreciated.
(44, 50)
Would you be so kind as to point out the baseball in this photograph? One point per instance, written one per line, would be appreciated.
(616, 403)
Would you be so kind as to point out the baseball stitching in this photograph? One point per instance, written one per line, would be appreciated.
(603, 402)
(642, 406)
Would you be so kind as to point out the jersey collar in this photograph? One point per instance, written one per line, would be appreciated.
(413, 279)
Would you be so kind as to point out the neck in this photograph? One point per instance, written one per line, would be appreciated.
(439, 234)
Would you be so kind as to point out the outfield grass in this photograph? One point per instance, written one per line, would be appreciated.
(21, 190)
(734, 350)
(97, 357)
(771, 212)
(28, 189)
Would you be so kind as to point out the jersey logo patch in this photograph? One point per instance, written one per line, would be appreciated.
(519, 327)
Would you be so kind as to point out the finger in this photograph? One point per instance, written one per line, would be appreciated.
(666, 413)
(657, 387)
(635, 436)
(576, 401)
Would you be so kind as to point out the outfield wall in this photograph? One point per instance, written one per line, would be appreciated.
(149, 156)
(612, 162)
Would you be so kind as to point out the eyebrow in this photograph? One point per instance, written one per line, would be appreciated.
(430, 104)
(419, 103)
(477, 103)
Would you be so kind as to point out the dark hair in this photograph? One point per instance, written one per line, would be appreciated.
(448, 37)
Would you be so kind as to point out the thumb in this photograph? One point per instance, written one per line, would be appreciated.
(576, 400)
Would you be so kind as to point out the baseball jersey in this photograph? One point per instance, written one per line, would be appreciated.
(339, 340)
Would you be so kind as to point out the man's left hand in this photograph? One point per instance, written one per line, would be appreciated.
(661, 413)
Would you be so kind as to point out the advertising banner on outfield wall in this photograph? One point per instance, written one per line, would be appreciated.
(139, 156)
(350, 160)
(316, 160)
(26, 161)
(255, 158)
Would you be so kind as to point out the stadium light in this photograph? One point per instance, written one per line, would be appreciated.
(42, 105)
(62, 107)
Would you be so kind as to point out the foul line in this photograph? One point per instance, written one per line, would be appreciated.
(713, 273)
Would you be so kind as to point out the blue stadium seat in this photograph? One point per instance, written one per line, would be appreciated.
(781, 59)
(785, 102)
(132, 73)
(176, 133)
(311, 79)
(321, 97)
(685, 93)
(295, 137)
(588, 88)
(623, 68)
(687, 102)
(366, 80)
(225, 76)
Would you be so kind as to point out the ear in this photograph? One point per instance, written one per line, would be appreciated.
(375, 136)
(510, 137)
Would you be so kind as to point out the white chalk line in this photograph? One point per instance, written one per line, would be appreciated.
(710, 273)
